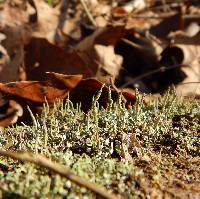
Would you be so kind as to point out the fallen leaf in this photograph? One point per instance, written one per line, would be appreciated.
(100, 46)
(109, 63)
(14, 45)
(47, 20)
(35, 93)
(4, 60)
(187, 76)
(181, 53)
(119, 12)
(190, 87)
(105, 36)
(101, 13)
(14, 14)
(57, 86)
(54, 19)
(42, 56)
(184, 39)
(135, 6)
(192, 29)
(91, 61)
(14, 25)
(86, 89)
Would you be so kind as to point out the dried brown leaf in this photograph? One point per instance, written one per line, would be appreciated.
(56, 87)
(109, 63)
(35, 93)
(187, 55)
(104, 36)
(42, 56)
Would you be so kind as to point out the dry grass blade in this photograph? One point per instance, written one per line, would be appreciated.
(59, 169)
(161, 69)
(88, 13)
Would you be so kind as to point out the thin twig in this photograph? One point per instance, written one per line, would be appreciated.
(162, 69)
(59, 169)
(132, 44)
(190, 83)
(150, 17)
(88, 13)
(165, 16)
(171, 5)
(112, 83)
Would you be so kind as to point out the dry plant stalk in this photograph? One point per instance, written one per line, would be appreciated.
(58, 169)
(88, 13)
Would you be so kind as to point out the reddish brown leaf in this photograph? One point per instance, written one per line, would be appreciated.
(86, 89)
(64, 81)
(35, 93)
(39, 91)
(104, 36)
(130, 99)
(119, 12)
(110, 36)
(42, 56)
(87, 58)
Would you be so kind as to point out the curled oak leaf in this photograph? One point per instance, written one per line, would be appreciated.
(181, 53)
(35, 93)
(57, 86)
(186, 75)
(86, 89)
(64, 81)
(31, 90)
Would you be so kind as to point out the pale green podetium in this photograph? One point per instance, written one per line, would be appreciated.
(168, 132)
